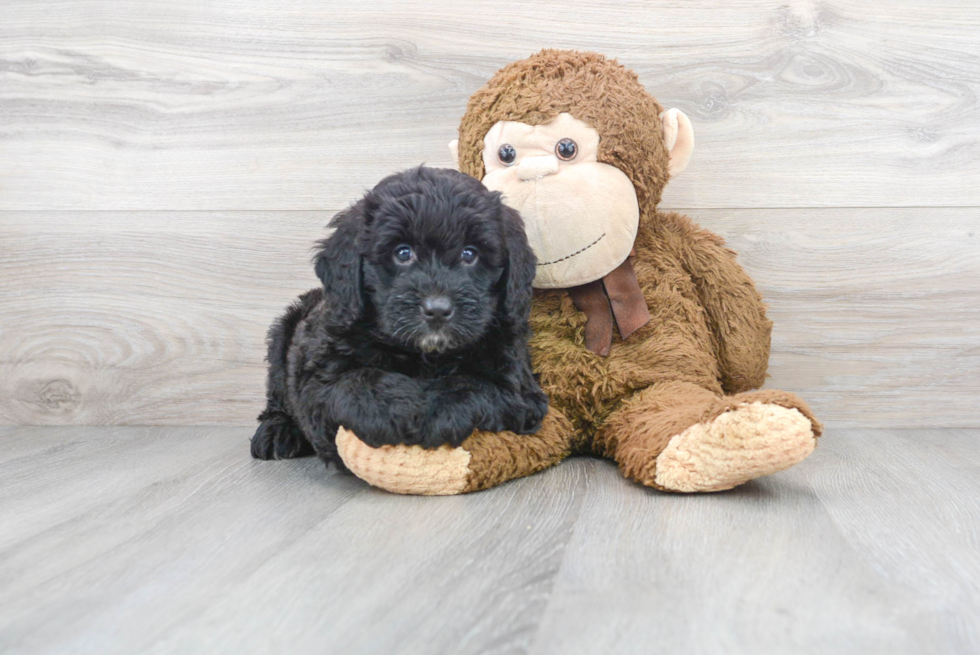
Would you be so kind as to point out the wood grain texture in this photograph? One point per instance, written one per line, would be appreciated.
(870, 546)
(876, 312)
(239, 105)
(173, 540)
(158, 318)
(296, 553)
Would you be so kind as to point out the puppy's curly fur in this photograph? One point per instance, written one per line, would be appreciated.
(419, 334)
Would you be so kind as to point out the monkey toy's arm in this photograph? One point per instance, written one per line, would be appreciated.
(735, 310)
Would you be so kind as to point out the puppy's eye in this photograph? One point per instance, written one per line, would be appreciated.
(566, 149)
(404, 254)
(469, 255)
(507, 154)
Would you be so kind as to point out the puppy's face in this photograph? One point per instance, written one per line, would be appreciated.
(435, 257)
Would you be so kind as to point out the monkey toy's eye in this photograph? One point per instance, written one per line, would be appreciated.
(566, 149)
(404, 254)
(469, 255)
(507, 154)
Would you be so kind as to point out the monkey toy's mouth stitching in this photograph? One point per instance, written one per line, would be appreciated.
(577, 252)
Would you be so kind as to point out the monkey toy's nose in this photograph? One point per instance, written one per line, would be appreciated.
(437, 309)
(534, 168)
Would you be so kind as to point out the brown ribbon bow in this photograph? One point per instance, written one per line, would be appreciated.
(619, 290)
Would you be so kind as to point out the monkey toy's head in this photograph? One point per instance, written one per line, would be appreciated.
(577, 145)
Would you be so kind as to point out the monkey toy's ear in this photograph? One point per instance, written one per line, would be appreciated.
(454, 151)
(338, 265)
(679, 139)
(521, 268)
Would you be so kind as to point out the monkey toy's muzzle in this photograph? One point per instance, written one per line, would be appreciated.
(534, 168)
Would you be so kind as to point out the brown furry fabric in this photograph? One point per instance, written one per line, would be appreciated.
(709, 334)
(501, 456)
(690, 281)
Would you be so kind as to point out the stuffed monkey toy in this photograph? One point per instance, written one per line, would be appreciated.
(648, 337)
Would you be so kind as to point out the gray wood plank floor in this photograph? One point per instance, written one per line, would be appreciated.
(122, 540)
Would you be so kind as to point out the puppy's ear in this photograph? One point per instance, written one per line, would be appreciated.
(521, 268)
(338, 265)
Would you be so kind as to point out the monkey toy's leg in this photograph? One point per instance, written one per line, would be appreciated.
(484, 460)
(677, 436)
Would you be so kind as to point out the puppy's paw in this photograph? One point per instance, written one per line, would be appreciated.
(396, 422)
(536, 408)
(279, 438)
(446, 427)
(405, 428)
(395, 430)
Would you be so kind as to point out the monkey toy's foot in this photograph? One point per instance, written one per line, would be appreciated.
(443, 471)
(484, 460)
(744, 443)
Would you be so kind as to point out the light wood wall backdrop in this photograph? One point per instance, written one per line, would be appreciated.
(166, 166)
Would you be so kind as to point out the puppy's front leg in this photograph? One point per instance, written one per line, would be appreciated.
(535, 402)
(457, 405)
(378, 406)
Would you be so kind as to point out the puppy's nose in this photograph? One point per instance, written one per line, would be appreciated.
(437, 309)
(534, 168)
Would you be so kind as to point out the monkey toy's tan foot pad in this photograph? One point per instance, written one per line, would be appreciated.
(744, 443)
(484, 460)
(443, 471)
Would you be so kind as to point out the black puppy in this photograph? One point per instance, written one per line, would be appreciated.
(419, 334)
